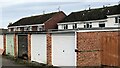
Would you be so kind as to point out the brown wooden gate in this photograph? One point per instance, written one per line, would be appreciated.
(23, 46)
(110, 50)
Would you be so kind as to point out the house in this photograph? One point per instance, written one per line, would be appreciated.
(93, 18)
(37, 23)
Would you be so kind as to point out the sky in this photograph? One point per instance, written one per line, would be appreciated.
(13, 10)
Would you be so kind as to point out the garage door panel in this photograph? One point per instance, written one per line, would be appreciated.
(63, 50)
(10, 44)
(38, 49)
(1, 41)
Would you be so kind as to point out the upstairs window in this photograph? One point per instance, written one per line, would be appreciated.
(28, 28)
(117, 19)
(34, 28)
(40, 29)
(88, 25)
(11, 29)
(102, 25)
(75, 26)
(65, 26)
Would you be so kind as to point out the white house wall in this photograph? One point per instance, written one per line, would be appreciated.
(70, 26)
(1, 41)
(63, 49)
(60, 27)
(111, 22)
(95, 25)
(80, 25)
(38, 48)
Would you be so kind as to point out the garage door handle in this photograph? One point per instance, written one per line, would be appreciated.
(38, 54)
(63, 50)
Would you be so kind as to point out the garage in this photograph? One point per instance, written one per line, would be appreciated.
(1, 41)
(38, 48)
(10, 44)
(23, 46)
(63, 49)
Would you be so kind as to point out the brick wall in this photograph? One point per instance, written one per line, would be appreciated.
(52, 22)
(15, 46)
(4, 43)
(29, 47)
(49, 49)
(98, 48)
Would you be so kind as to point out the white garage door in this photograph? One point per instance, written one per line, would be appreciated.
(1, 41)
(38, 48)
(63, 50)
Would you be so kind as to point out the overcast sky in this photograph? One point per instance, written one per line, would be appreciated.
(13, 10)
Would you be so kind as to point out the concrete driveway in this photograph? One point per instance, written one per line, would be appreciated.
(6, 63)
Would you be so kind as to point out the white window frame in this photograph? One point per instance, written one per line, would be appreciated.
(75, 26)
(65, 26)
(118, 20)
(101, 23)
(89, 25)
(28, 28)
(40, 28)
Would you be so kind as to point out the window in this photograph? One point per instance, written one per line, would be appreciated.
(102, 25)
(21, 28)
(27, 28)
(40, 29)
(75, 26)
(65, 26)
(117, 19)
(88, 25)
(34, 28)
(11, 29)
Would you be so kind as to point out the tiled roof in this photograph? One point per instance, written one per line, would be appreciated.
(92, 14)
(39, 19)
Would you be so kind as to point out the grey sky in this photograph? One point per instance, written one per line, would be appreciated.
(11, 10)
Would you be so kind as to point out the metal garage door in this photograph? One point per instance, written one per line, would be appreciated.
(22, 46)
(38, 48)
(10, 44)
(63, 49)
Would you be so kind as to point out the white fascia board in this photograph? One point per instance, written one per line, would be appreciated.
(98, 30)
(113, 15)
(101, 20)
(80, 22)
(26, 25)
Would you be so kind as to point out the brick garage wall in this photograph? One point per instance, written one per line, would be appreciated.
(15, 46)
(89, 49)
(29, 47)
(49, 49)
(98, 48)
(4, 43)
